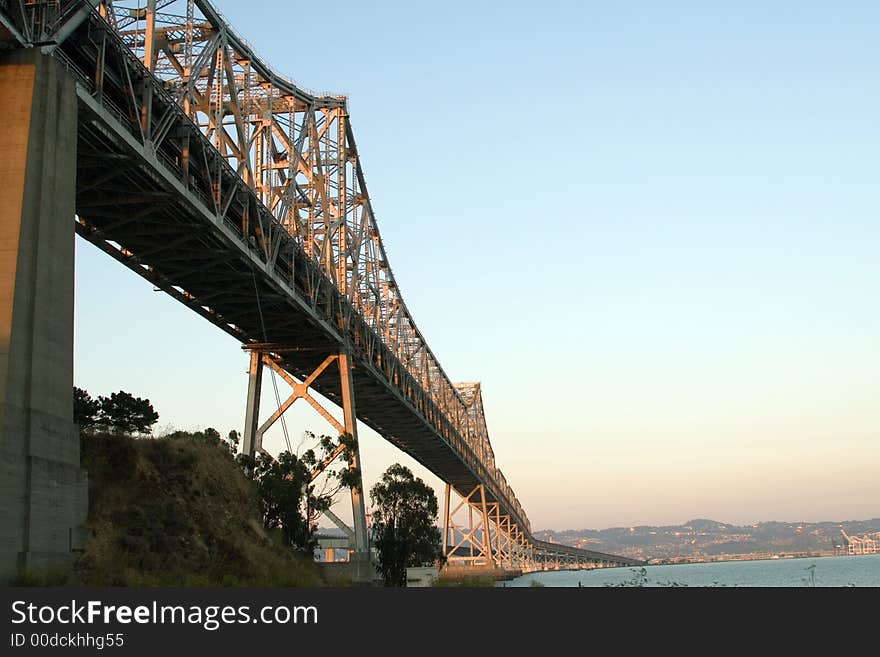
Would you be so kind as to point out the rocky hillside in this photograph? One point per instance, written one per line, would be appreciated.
(177, 511)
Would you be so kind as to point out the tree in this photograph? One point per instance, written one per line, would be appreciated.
(281, 482)
(126, 414)
(232, 441)
(209, 435)
(404, 527)
(291, 499)
(86, 411)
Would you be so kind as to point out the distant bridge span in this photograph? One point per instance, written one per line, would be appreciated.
(241, 195)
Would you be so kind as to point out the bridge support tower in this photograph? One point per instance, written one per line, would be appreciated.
(43, 488)
(468, 536)
(476, 534)
(270, 356)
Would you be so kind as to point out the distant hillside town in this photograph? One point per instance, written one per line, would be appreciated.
(708, 540)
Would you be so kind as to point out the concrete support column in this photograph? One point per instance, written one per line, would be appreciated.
(43, 488)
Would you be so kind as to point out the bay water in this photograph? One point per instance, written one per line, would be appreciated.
(860, 571)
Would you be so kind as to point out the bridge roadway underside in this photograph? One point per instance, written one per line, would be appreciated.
(123, 197)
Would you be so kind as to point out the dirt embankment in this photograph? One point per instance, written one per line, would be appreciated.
(177, 512)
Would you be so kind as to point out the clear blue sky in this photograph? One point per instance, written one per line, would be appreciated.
(651, 232)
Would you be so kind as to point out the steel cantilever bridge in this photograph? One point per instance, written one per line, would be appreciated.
(241, 195)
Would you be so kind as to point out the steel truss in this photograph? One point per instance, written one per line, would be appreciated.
(476, 533)
(472, 542)
(242, 195)
(268, 355)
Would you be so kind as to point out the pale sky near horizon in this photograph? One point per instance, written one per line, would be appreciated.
(651, 233)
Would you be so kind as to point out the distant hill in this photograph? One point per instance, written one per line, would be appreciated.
(708, 539)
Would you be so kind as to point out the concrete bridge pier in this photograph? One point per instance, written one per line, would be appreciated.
(43, 488)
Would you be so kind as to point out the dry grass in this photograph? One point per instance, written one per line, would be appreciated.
(174, 512)
(466, 581)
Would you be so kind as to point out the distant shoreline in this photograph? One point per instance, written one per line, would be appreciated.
(750, 557)
(702, 540)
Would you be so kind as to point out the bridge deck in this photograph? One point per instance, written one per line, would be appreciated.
(169, 240)
(241, 196)
(179, 250)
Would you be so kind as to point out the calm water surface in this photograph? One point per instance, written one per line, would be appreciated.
(863, 570)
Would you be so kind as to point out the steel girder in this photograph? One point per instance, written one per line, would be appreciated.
(476, 533)
(241, 195)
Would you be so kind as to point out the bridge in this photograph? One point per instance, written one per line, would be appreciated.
(865, 544)
(191, 161)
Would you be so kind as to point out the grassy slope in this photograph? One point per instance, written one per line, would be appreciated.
(177, 512)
